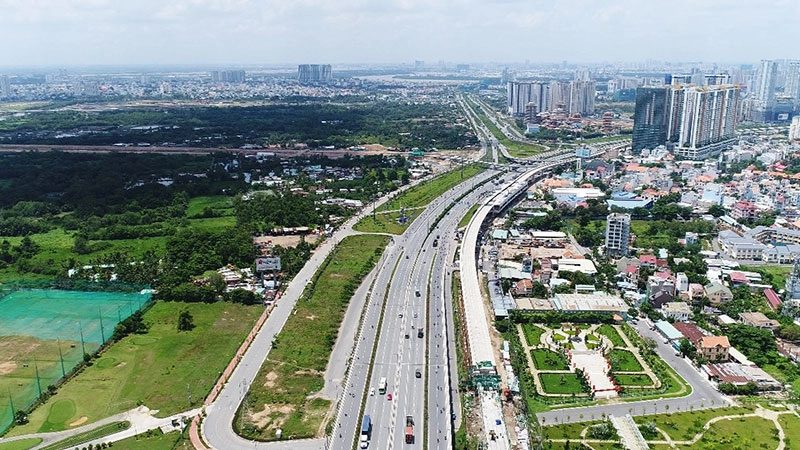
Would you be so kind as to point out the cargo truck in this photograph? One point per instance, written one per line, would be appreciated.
(409, 430)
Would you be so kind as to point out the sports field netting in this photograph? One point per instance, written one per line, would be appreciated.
(44, 334)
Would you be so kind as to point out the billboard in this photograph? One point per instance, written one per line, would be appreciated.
(264, 264)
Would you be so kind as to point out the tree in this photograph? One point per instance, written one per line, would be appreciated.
(716, 210)
(242, 296)
(217, 282)
(185, 321)
(687, 348)
(81, 244)
(790, 332)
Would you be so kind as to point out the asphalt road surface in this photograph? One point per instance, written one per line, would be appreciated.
(411, 281)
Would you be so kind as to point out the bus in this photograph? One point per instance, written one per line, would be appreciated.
(382, 386)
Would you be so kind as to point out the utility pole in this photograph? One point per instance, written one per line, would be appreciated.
(61, 359)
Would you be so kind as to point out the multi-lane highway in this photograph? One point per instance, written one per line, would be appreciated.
(404, 325)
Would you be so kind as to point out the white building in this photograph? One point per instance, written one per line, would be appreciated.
(618, 234)
(679, 311)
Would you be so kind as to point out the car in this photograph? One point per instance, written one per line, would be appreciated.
(389, 396)
(372, 392)
(417, 294)
(418, 374)
(406, 335)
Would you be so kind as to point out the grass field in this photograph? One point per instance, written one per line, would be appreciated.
(282, 396)
(470, 212)
(566, 430)
(611, 333)
(561, 383)
(97, 433)
(744, 433)
(779, 273)
(153, 369)
(422, 194)
(23, 444)
(791, 427)
(548, 360)
(682, 426)
(623, 361)
(155, 440)
(532, 333)
(385, 223)
(632, 380)
(56, 247)
(220, 205)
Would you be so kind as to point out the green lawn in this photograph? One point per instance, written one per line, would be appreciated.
(779, 274)
(682, 426)
(424, 193)
(632, 380)
(791, 427)
(743, 433)
(623, 361)
(282, 396)
(154, 369)
(566, 430)
(220, 205)
(23, 444)
(470, 212)
(97, 433)
(212, 223)
(155, 440)
(549, 360)
(561, 383)
(385, 223)
(533, 333)
(56, 248)
(611, 333)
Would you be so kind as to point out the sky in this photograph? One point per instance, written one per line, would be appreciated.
(266, 32)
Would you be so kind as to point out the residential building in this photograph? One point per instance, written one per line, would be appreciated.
(794, 129)
(680, 311)
(314, 73)
(657, 283)
(708, 121)
(718, 293)
(743, 210)
(522, 95)
(651, 117)
(5, 86)
(714, 348)
(228, 76)
(696, 121)
(681, 282)
(618, 234)
(759, 320)
(690, 331)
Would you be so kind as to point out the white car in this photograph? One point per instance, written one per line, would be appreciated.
(372, 392)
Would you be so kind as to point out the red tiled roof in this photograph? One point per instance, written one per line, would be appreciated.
(689, 330)
(739, 277)
(772, 298)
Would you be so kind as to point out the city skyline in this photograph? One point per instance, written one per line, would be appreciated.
(105, 32)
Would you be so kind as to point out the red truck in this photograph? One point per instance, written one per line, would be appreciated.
(409, 430)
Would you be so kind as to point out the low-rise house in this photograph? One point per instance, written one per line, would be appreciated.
(718, 293)
(759, 320)
(679, 311)
(714, 348)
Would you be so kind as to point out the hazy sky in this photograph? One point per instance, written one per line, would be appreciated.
(80, 32)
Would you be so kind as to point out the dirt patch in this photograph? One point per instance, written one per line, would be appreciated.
(283, 241)
(7, 367)
(122, 364)
(264, 419)
(79, 422)
(271, 377)
(312, 317)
